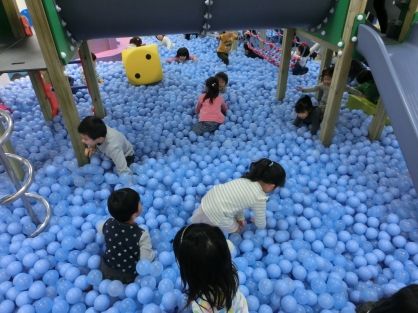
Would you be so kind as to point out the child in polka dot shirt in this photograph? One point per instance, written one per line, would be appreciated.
(126, 242)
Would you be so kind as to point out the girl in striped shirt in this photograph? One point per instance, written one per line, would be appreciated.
(224, 204)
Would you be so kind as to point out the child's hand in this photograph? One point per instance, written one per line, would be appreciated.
(299, 88)
(100, 81)
(241, 225)
(89, 151)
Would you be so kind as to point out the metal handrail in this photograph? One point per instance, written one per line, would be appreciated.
(21, 188)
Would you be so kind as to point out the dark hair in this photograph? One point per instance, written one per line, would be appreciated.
(304, 104)
(93, 56)
(405, 301)
(355, 68)
(327, 72)
(93, 127)
(206, 268)
(364, 76)
(123, 203)
(212, 89)
(223, 76)
(303, 50)
(267, 171)
(136, 40)
(183, 52)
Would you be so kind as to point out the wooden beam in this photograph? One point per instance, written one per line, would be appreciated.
(326, 59)
(13, 15)
(289, 34)
(56, 73)
(36, 79)
(322, 42)
(378, 122)
(406, 26)
(89, 70)
(15, 165)
(339, 79)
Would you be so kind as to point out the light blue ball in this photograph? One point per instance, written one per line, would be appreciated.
(101, 303)
(145, 295)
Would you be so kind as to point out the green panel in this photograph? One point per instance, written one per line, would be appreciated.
(359, 103)
(415, 20)
(6, 33)
(334, 27)
(61, 38)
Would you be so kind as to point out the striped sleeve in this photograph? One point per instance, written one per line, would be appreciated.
(259, 209)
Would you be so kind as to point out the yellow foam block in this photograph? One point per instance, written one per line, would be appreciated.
(142, 65)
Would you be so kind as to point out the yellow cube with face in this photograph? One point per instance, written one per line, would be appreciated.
(142, 65)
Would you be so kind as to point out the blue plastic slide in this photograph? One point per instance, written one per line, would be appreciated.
(395, 70)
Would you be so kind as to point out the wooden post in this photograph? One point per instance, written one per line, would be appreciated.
(36, 79)
(378, 121)
(326, 59)
(339, 79)
(289, 33)
(7, 147)
(89, 70)
(58, 78)
(406, 26)
(13, 15)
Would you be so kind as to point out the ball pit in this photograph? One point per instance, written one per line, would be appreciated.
(343, 230)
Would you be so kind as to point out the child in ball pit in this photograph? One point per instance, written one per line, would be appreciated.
(224, 204)
(126, 242)
(209, 277)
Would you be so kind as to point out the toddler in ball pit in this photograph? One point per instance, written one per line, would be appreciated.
(126, 243)
(224, 204)
(95, 134)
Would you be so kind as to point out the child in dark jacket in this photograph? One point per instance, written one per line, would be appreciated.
(307, 114)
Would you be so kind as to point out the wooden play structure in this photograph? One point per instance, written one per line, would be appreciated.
(43, 56)
(338, 33)
(63, 27)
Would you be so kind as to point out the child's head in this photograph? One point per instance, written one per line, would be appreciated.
(160, 37)
(91, 130)
(124, 205)
(183, 54)
(212, 88)
(303, 50)
(303, 107)
(268, 172)
(222, 80)
(326, 76)
(136, 40)
(405, 301)
(205, 264)
(364, 76)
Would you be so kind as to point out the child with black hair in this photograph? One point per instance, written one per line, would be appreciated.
(307, 114)
(209, 277)
(222, 81)
(403, 301)
(224, 204)
(126, 243)
(226, 40)
(135, 42)
(301, 58)
(95, 134)
(182, 55)
(366, 87)
(211, 108)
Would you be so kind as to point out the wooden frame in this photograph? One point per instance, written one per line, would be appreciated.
(288, 36)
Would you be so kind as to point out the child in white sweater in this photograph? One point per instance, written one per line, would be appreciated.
(224, 204)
